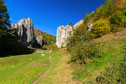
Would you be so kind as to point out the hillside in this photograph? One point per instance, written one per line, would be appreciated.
(93, 51)
(97, 70)
(47, 38)
(97, 46)
(110, 67)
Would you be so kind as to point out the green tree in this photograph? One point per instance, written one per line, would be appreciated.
(9, 41)
(116, 18)
(71, 24)
(86, 18)
(4, 16)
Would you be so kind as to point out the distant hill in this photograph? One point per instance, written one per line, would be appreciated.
(47, 38)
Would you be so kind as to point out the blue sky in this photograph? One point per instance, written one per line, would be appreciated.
(47, 15)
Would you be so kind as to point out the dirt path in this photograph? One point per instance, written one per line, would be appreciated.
(43, 75)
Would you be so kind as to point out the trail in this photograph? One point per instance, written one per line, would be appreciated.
(43, 75)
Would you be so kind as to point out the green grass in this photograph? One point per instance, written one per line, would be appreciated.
(107, 69)
(56, 58)
(22, 69)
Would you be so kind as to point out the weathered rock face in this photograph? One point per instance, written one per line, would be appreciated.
(63, 34)
(24, 29)
(38, 38)
(78, 24)
(89, 26)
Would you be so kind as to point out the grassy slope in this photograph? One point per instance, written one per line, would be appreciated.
(22, 69)
(61, 71)
(108, 66)
(26, 68)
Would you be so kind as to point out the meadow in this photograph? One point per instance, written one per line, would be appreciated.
(22, 69)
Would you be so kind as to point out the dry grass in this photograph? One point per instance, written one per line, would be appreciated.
(112, 36)
(111, 45)
(64, 75)
(61, 72)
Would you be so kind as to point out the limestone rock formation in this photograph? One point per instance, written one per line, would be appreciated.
(38, 38)
(89, 26)
(24, 29)
(78, 24)
(63, 34)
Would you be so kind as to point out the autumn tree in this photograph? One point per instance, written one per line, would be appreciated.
(101, 27)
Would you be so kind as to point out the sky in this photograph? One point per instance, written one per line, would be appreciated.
(47, 15)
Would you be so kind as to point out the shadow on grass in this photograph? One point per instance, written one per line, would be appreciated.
(19, 51)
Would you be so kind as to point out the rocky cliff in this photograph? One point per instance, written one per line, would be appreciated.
(89, 26)
(78, 24)
(63, 34)
(38, 38)
(24, 29)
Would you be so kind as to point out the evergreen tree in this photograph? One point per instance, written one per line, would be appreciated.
(9, 42)
(4, 16)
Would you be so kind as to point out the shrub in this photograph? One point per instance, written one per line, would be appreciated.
(100, 28)
(51, 47)
(116, 18)
(124, 18)
(80, 47)
(79, 34)
(84, 50)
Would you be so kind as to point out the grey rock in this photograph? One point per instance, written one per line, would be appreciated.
(78, 24)
(89, 26)
(38, 38)
(24, 29)
(63, 34)
(43, 55)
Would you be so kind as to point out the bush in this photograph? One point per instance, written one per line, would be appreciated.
(100, 28)
(79, 34)
(52, 47)
(79, 46)
(124, 18)
(116, 18)
(84, 50)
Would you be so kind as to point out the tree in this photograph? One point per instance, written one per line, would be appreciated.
(101, 27)
(9, 41)
(116, 18)
(4, 16)
(71, 24)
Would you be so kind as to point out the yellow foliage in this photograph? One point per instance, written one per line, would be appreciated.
(101, 27)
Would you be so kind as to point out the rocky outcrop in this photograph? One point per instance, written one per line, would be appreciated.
(78, 24)
(38, 38)
(89, 26)
(24, 28)
(63, 34)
